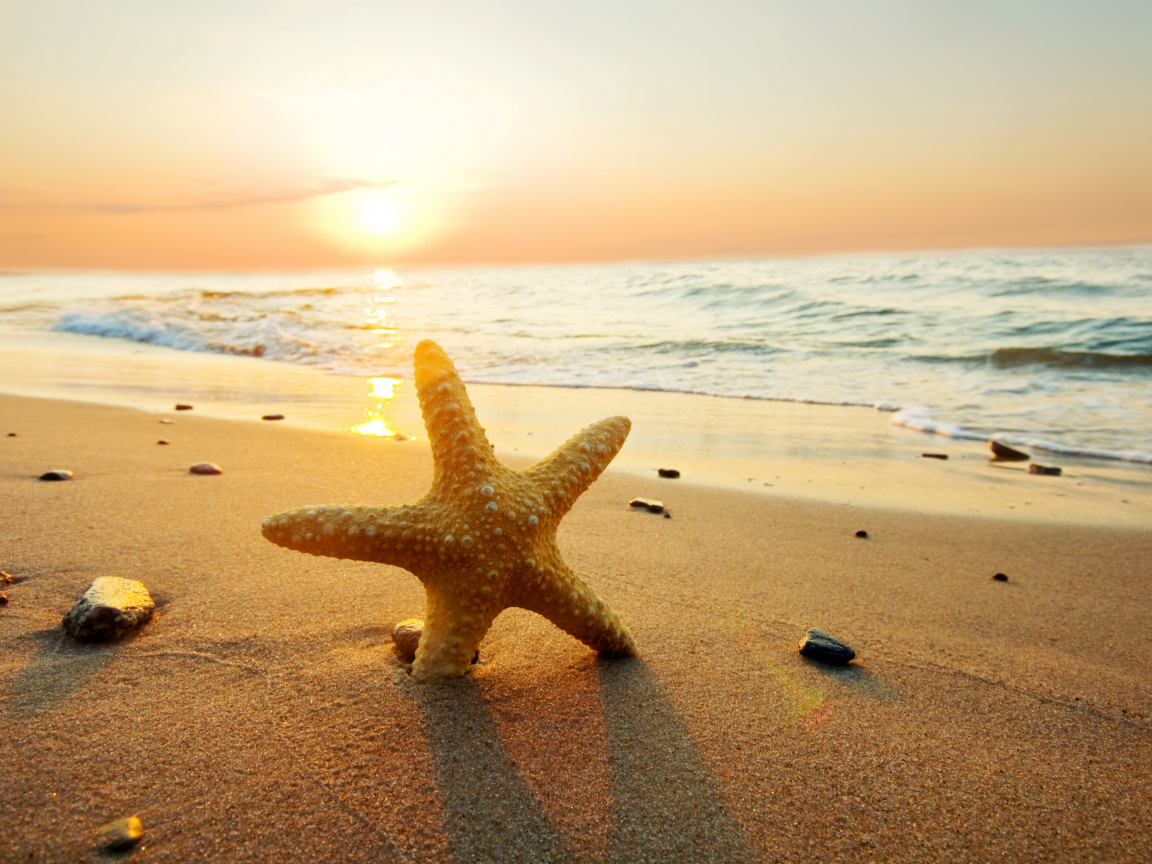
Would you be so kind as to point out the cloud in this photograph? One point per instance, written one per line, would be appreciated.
(229, 201)
(243, 199)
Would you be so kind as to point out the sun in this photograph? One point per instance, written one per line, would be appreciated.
(387, 221)
(381, 214)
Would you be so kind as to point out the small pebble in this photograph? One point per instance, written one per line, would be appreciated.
(163, 441)
(57, 474)
(180, 406)
(109, 609)
(166, 421)
(671, 473)
(654, 506)
(3, 599)
(820, 646)
(206, 468)
(272, 417)
(121, 835)
(400, 436)
(933, 455)
(1000, 577)
(1044, 469)
(862, 534)
(667, 515)
(1003, 453)
(11, 434)
(406, 638)
(6, 578)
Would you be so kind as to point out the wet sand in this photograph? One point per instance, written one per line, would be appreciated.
(261, 716)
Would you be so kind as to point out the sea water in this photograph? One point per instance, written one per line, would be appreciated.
(1051, 349)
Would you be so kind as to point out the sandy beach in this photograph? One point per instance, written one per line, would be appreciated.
(262, 716)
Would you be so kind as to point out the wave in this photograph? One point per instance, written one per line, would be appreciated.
(1007, 358)
(920, 418)
(262, 338)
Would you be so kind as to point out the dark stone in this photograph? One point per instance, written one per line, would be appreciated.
(109, 609)
(121, 835)
(667, 515)
(3, 599)
(820, 646)
(1000, 577)
(862, 534)
(1044, 470)
(1003, 453)
(163, 441)
(57, 474)
(406, 638)
(933, 455)
(180, 406)
(671, 473)
(206, 468)
(272, 417)
(11, 434)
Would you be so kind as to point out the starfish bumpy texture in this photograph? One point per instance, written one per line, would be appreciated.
(484, 537)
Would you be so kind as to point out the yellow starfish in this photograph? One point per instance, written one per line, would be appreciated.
(484, 537)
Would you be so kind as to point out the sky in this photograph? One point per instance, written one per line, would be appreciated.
(166, 135)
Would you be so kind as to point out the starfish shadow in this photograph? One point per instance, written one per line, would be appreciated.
(667, 804)
(490, 814)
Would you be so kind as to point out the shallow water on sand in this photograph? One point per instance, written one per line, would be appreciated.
(1048, 348)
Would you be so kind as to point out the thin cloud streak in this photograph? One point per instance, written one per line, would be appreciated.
(333, 186)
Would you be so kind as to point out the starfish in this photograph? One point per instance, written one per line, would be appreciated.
(484, 537)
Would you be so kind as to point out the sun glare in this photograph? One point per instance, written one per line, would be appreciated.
(381, 215)
(387, 222)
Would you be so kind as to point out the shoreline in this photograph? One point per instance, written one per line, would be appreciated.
(262, 716)
(848, 455)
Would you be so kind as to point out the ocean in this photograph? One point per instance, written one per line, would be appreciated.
(1048, 349)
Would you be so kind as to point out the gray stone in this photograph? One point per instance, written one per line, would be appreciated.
(1049, 471)
(820, 646)
(110, 609)
(206, 468)
(121, 835)
(670, 473)
(648, 504)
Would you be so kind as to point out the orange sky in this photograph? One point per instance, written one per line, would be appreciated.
(308, 134)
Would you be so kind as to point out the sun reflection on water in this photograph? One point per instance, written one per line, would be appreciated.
(377, 422)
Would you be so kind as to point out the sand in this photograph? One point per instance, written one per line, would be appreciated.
(261, 716)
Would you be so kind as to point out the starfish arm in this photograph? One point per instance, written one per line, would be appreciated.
(453, 628)
(386, 535)
(459, 445)
(574, 465)
(572, 605)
